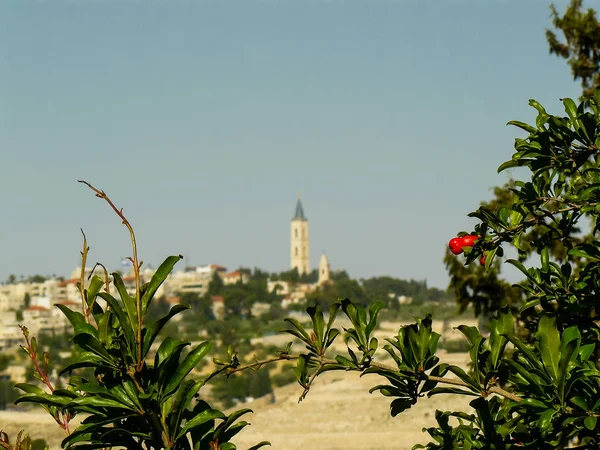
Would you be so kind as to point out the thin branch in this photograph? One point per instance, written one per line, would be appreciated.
(257, 364)
(324, 361)
(136, 268)
(84, 253)
(61, 418)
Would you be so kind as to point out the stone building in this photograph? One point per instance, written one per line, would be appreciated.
(300, 250)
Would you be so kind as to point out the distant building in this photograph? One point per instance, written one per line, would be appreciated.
(300, 251)
(235, 277)
(192, 279)
(324, 270)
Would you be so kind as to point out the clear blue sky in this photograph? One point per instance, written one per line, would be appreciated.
(204, 119)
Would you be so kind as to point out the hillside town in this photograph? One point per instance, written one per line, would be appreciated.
(31, 302)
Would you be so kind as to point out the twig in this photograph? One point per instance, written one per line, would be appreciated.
(84, 305)
(259, 364)
(32, 353)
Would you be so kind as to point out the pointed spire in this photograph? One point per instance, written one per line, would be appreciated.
(299, 215)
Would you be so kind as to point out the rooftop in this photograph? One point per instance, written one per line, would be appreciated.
(299, 215)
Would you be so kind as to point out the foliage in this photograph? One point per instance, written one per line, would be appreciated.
(132, 400)
(581, 48)
(24, 442)
(484, 290)
(5, 360)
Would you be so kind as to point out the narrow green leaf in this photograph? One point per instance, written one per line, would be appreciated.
(75, 317)
(121, 316)
(549, 340)
(127, 300)
(158, 278)
(186, 366)
(200, 419)
(152, 331)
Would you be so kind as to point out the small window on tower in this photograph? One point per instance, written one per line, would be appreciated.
(296, 251)
(295, 232)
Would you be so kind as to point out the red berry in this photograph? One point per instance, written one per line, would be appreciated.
(482, 260)
(456, 245)
(469, 240)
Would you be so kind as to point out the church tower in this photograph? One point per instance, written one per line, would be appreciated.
(299, 241)
(324, 270)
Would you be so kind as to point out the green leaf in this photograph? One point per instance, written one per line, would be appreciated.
(301, 334)
(524, 126)
(544, 423)
(90, 343)
(44, 399)
(316, 314)
(122, 317)
(185, 394)
(373, 313)
(569, 346)
(200, 419)
(590, 422)
(584, 252)
(399, 405)
(75, 317)
(460, 373)
(152, 331)
(87, 359)
(450, 390)
(127, 300)
(158, 278)
(92, 291)
(99, 402)
(570, 108)
(30, 388)
(501, 327)
(585, 351)
(549, 340)
(581, 402)
(167, 349)
(545, 258)
(186, 366)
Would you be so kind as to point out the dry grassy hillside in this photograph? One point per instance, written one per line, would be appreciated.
(339, 413)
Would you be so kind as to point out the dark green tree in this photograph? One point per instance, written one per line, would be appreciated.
(215, 287)
(581, 45)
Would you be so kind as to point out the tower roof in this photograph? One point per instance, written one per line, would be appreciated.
(299, 215)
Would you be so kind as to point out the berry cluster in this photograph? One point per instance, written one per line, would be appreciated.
(457, 245)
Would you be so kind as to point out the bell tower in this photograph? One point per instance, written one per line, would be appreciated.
(300, 255)
(324, 270)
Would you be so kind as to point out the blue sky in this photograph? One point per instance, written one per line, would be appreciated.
(204, 119)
